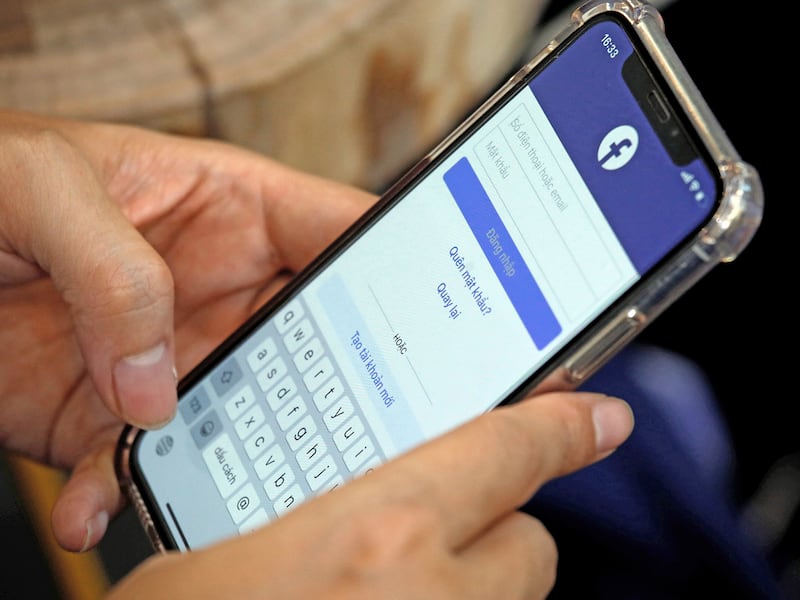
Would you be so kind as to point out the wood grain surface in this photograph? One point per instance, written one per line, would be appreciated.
(350, 89)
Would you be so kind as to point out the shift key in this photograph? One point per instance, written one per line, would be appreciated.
(224, 465)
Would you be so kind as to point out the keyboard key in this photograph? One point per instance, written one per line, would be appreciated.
(244, 502)
(291, 411)
(332, 484)
(250, 422)
(349, 433)
(269, 461)
(322, 472)
(259, 441)
(328, 394)
(291, 499)
(301, 432)
(271, 374)
(226, 377)
(318, 374)
(289, 316)
(258, 519)
(194, 404)
(240, 402)
(223, 463)
(359, 453)
(310, 353)
(278, 395)
(206, 429)
(262, 354)
(297, 337)
(311, 453)
(373, 462)
(279, 481)
(337, 414)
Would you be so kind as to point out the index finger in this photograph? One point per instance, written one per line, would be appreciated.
(293, 201)
(493, 464)
(59, 219)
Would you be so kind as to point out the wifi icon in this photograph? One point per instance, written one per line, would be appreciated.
(694, 185)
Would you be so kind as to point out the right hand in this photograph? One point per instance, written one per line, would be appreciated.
(439, 522)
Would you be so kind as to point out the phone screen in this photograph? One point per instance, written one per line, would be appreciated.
(446, 302)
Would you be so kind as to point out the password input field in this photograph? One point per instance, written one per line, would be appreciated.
(555, 218)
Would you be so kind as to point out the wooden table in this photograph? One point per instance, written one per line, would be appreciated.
(350, 89)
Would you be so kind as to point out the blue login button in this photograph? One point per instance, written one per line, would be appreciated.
(502, 253)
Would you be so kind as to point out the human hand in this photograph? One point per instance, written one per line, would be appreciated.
(97, 224)
(439, 522)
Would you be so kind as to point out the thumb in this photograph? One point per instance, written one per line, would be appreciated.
(118, 289)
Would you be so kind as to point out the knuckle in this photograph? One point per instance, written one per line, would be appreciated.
(400, 529)
(575, 436)
(125, 287)
(545, 545)
(35, 146)
(549, 563)
(30, 156)
(573, 421)
(549, 437)
(543, 556)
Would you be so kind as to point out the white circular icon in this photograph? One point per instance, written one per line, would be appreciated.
(618, 147)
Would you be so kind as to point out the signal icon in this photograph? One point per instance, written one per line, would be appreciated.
(693, 185)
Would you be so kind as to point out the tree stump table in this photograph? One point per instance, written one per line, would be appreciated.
(354, 90)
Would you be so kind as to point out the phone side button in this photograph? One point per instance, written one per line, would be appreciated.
(605, 344)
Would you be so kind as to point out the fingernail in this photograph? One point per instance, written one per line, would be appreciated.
(95, 528)
(613, 423)
(145, 387)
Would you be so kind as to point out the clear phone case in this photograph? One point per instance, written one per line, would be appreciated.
(721, 240)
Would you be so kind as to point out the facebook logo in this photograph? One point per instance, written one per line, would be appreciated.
(618, 147)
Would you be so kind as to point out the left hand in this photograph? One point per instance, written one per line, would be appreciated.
(98, 222)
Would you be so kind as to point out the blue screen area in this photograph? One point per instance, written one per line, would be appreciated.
(638, 200)
(503, 255)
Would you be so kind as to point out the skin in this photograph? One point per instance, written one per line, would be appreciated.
(125, 257)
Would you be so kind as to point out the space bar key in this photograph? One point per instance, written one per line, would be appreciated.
(224, 465)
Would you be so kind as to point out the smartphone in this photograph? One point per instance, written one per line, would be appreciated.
(555, 223)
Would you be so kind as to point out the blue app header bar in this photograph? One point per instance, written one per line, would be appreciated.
(647, 205)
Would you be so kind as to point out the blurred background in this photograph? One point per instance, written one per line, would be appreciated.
(389, 78)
